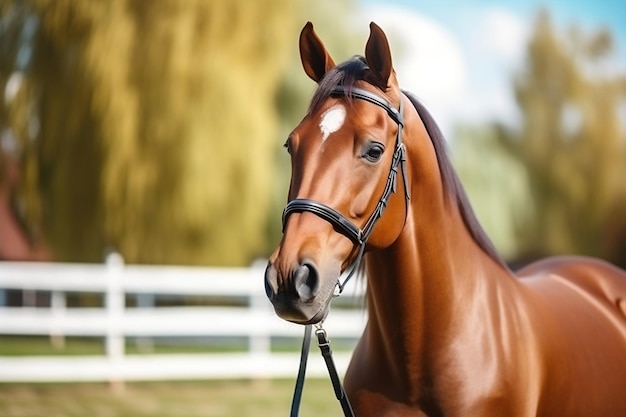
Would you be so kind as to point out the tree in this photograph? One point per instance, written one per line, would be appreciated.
(146, 127)
(570, 141)
(496, 183)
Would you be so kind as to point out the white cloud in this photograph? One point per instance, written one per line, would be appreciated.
(495, 51)
(503, 33)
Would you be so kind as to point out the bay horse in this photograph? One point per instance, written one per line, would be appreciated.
(451, 330)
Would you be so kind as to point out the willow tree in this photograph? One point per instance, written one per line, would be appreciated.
(571, 142)
(155, 125)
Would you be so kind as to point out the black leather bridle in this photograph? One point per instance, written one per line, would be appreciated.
(359, 236)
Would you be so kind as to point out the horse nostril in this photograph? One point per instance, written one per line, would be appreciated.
(306, 281)
(271, 281)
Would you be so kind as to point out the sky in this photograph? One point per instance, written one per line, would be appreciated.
(459, 56)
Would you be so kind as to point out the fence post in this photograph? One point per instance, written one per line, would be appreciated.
(115, 311)
(58, 305)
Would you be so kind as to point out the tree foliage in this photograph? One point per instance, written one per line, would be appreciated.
(147, 127)
(572, 143)
(496, 183)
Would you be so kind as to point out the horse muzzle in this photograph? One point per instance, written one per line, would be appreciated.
(299, 295)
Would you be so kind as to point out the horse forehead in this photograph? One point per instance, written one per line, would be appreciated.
(331, 120)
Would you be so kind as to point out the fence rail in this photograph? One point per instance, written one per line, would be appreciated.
(252, 318)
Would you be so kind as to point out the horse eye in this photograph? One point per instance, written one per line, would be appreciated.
(374, 152)
(287, 145)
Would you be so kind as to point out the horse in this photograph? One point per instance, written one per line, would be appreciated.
(451, 330)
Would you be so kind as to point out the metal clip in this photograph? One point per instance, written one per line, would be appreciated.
(322, 336)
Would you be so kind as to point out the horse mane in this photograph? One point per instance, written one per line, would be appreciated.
(353, 70)
(452, 183)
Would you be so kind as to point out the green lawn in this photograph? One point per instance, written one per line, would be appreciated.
(167, 399)
(264, 398)
(42, 346)
(229, 398)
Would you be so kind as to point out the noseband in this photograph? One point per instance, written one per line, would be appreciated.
(359, 236)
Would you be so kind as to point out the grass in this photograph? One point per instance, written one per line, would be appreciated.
(11, 345)
(42, 345)
(223, 398)
(267, 398)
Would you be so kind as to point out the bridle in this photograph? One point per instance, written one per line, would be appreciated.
(358, 236)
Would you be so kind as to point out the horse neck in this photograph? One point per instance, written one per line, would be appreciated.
(421, 284)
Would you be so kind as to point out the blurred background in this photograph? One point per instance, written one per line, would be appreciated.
(154, 129)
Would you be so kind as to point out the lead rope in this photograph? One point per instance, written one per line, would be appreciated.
(327, 353)
(324, 344)
(304, 355)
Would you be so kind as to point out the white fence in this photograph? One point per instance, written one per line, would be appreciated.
(116, 322)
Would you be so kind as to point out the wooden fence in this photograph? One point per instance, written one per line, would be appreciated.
(245, 314)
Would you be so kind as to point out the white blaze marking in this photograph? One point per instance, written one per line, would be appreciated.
(332, 120)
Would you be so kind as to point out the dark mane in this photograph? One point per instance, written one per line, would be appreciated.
(347, 74)
(451, 182)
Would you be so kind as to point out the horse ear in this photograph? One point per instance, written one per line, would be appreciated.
(316, 60)
(378, 56)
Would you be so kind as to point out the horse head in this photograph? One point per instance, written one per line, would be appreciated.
(345, 156)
